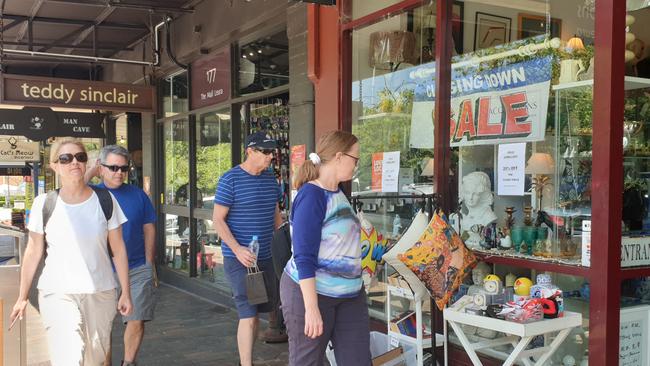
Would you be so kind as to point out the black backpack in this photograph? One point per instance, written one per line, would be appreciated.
(105, 201)
(281, 248)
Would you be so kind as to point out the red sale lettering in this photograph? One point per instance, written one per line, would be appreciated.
(483, 113)
(515, 114)
(465, 121)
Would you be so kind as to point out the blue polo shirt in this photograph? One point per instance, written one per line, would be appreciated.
(251, 202)
(138, 209)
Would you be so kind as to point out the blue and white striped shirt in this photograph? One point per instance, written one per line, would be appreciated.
(251, 200)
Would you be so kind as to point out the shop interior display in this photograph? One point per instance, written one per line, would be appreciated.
(546, 223)
(273, 118)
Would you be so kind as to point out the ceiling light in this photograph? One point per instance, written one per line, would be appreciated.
(244, 56)
(259, 51)
(251, 54)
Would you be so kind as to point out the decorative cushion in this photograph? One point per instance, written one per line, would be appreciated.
(439, 259)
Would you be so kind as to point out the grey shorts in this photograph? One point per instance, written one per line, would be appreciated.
(142, 293)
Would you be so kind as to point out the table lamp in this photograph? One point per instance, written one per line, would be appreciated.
(540, 165)
(427, 171)
(575, 43)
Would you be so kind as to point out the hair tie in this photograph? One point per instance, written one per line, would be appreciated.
(314, 158)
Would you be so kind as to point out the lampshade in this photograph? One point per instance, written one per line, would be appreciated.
(388, 49)
(540, 163)
(428, 169)
(429, 21)
(575, 43)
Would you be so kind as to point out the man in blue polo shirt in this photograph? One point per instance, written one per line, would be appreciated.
(246, 205)
(139, 236)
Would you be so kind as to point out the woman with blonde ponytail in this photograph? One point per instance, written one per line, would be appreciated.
(321, 288)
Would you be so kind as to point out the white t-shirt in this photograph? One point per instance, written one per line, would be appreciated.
(77, 260)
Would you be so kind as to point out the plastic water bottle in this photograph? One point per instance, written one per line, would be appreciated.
(254, 246)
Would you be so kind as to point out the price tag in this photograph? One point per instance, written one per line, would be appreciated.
(394, 342)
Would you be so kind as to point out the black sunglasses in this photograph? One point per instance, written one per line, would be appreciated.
(266, 151)
(81, 157)
(115, 168)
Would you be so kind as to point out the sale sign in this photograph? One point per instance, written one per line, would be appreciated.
(488, 105)
(385, 171)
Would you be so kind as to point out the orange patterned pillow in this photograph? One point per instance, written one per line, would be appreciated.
(440, 259)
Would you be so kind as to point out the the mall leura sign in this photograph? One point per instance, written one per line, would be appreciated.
(39, 124)
(55, 92)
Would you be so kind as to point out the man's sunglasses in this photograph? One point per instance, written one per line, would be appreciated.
(266, 151)
(81, 157)
(115, 168)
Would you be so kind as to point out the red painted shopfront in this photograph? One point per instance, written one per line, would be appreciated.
(391, 65)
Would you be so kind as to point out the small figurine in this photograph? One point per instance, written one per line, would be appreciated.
(506, 242)
(510, 221)
(528, 219)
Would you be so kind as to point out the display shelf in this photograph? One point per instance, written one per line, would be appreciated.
(631, 83)
(426, 341)
(531, 262)
(385, 114)
(635, 272)
(423, 337)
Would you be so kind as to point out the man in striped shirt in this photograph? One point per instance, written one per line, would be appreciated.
(246, 205)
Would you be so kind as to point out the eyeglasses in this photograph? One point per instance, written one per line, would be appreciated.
(115, 168)
(265, 151)
(64, 159)
(356, 159)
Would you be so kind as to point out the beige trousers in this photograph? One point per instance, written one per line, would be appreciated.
(78, 327)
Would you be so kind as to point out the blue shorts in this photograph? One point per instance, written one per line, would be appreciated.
(236, 276)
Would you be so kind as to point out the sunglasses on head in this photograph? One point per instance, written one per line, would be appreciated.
(266, 151)
(115, 168)
(81, 157)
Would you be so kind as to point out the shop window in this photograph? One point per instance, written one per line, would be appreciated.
(174, 92)
(264, 63)
(271, 115)
(177, 242)
(359, 8)
(213, 153)
(121, 131)
(177, 161)
(385, 119)
(209, 256)
(521, 135)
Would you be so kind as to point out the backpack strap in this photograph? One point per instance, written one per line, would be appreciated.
(48, 206)
(105, 200)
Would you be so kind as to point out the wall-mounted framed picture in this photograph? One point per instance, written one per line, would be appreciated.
(491, 30)
(531, 25)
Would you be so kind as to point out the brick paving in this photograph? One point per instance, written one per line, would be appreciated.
(188, 330)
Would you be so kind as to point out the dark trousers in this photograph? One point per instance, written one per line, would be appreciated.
(345, 323)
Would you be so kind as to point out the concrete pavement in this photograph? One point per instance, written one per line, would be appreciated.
(188, 330)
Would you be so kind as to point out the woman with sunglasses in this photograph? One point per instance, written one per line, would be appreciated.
(321, 289)
(77, 294)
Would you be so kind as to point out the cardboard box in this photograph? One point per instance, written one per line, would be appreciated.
(388, 356)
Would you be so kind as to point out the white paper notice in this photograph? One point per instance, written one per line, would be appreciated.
(586, 243)
(511, 166)
(390, 172)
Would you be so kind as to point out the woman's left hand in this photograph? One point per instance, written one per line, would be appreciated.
(124, 305)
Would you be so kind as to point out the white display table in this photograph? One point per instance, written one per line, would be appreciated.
(516, 334)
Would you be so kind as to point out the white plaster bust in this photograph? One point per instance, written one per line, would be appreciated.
(477, 198)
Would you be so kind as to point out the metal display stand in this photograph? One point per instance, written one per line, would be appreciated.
(429, 204)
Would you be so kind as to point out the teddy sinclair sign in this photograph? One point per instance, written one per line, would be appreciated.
(50, 92)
